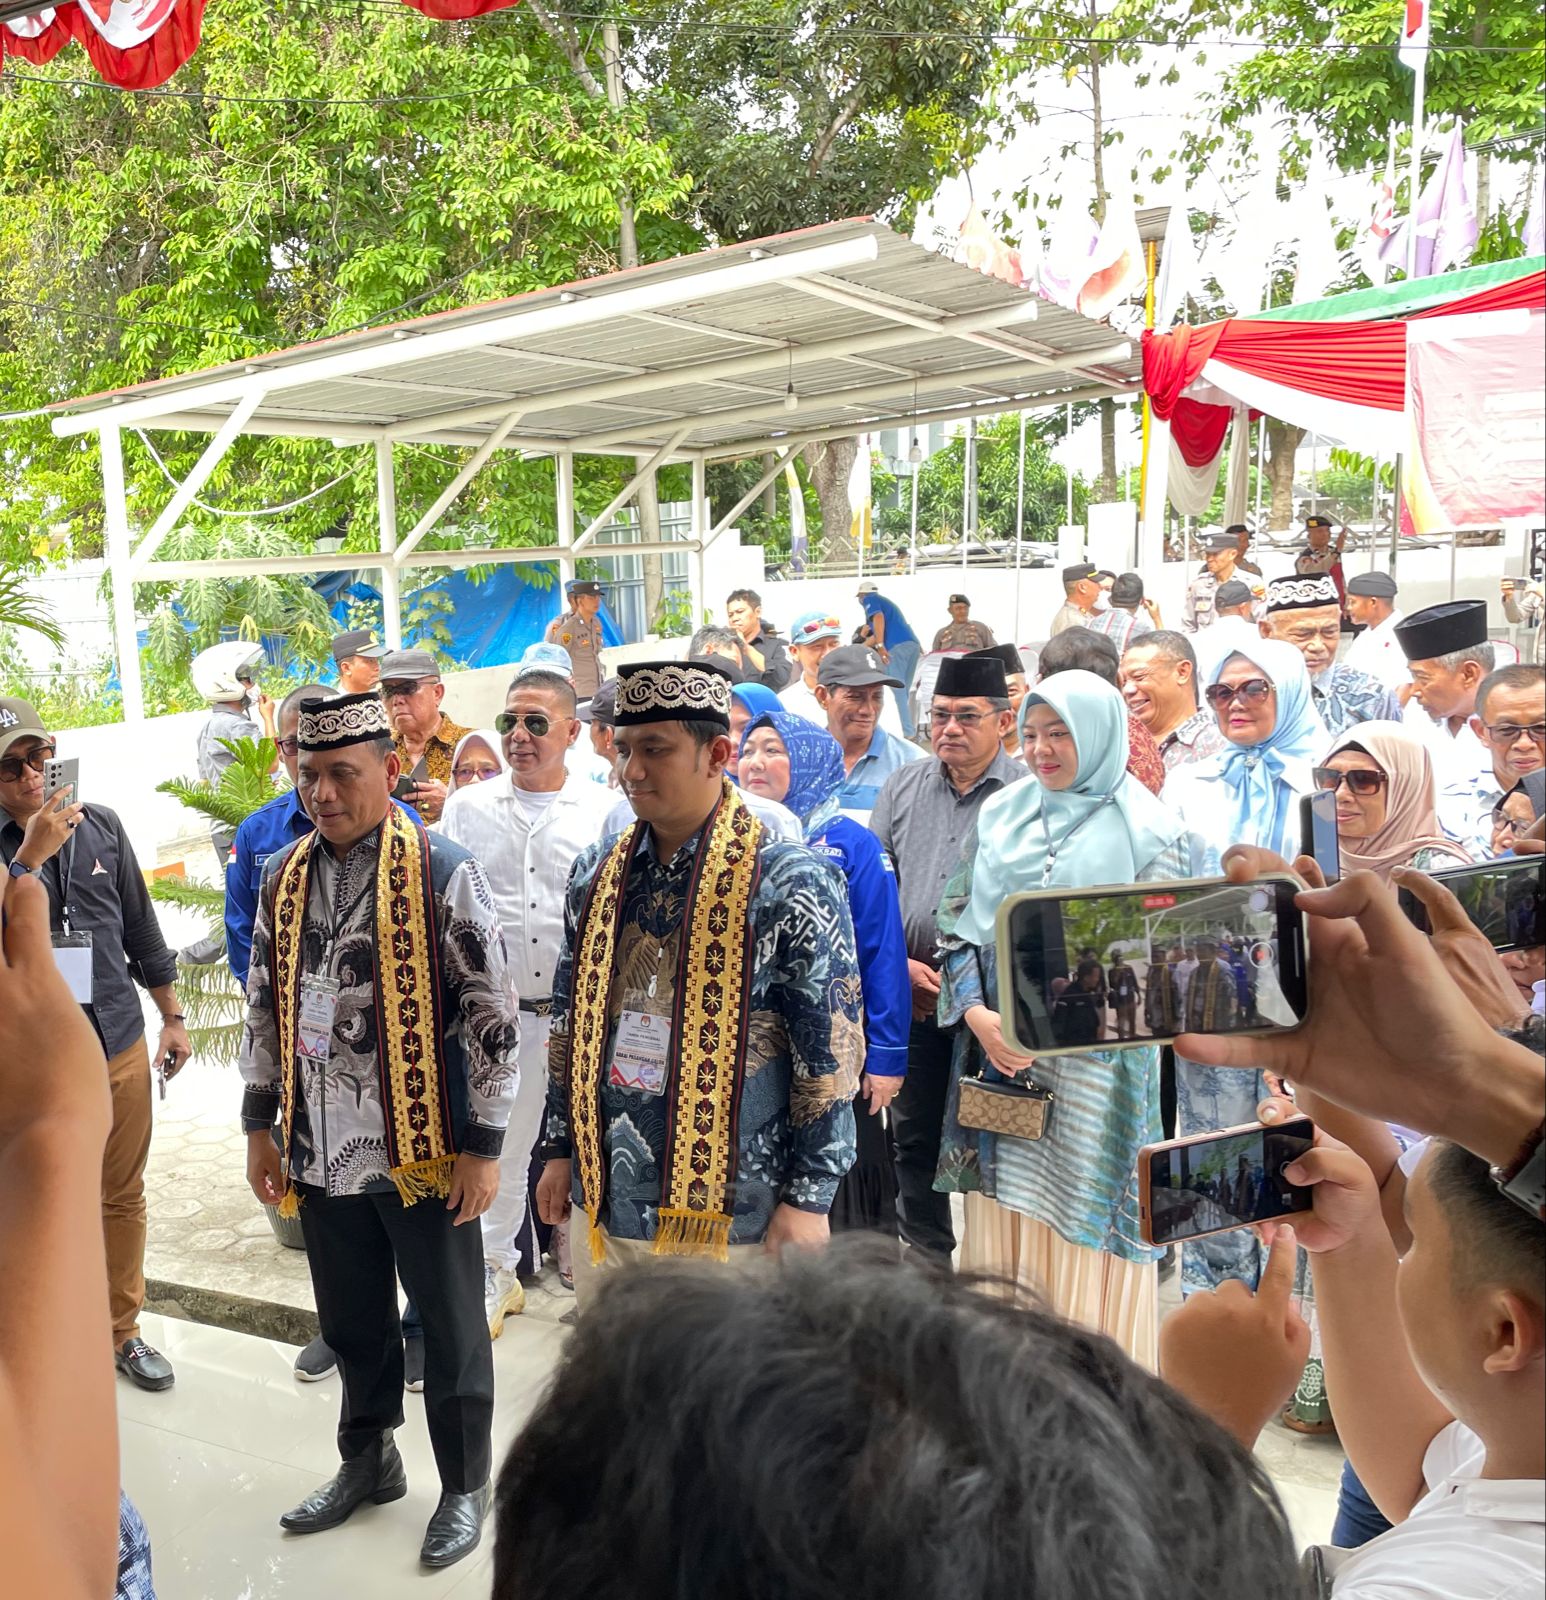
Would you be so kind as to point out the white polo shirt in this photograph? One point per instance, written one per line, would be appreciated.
(1468, 1538)
(1378, 652)
(526, 852)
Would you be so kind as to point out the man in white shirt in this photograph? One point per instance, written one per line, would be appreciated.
(526, 833)
(1370, 604)
(1435, 1366)
(813, 635)
(1448, 655)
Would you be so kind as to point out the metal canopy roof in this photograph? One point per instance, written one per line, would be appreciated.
(695, 354)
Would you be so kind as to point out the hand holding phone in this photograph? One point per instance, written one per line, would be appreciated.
(1318, 832)
(1502, 899)
(1217, 1182)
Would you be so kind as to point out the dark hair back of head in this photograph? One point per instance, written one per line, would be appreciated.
(840, 1426)
(553, 683)
(1079, 649)
(1523, 675)
(750, 596)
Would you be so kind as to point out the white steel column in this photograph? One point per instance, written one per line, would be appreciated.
(563, 499)
(697, 585)
(115, 512)
(386, 517)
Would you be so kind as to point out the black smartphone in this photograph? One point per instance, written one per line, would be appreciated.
(1503, 899)
(1318, 832)
(1094, 969)
(407, 782)
(1216, 1182)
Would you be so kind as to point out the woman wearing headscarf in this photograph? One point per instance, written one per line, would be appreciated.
(1386, 801)
(747, 700)
(479, 756)
(1059, 1213)
(785, 758)
(1249, 792)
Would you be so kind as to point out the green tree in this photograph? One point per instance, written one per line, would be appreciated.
(349, 166)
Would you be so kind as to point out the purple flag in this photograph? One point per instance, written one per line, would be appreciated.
(1445, 218)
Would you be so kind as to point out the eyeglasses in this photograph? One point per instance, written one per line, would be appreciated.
(534, 722)
(288, 747)
(473, 774)
(1252, 692)
(968, 720)
(1505, 733)
(1361, 780)
(11, 767)
(403, 688)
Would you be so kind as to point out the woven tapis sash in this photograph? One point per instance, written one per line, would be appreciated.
(420, 1148)
(708, 1031)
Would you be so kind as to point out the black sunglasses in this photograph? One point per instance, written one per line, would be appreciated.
(1253, 691)
(534, 722)
(11, 766)
(1361, 780)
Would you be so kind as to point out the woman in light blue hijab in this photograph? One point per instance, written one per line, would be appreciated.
(1249, 792)
(1058, 1213)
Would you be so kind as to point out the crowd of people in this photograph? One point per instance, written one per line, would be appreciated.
(689, 969)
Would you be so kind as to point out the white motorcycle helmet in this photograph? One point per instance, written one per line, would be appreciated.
(226, 671)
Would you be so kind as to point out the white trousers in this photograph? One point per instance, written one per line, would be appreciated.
(502, 1221)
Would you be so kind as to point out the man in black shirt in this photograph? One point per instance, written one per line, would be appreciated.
(108, 939)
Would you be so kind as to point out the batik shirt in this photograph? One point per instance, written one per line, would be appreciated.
(1345, 696)
(1195, 740)
(805, 1038)
(339, 1136)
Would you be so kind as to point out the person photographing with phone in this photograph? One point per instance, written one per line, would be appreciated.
(106, 940)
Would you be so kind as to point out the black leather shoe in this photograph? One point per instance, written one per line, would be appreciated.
(147, 1368)
(376, 1475)
(456, 1527)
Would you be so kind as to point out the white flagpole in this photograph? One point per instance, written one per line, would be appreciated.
(1419, 82)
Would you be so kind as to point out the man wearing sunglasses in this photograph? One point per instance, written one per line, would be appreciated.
(1304, 611)
(424, 738)
(1510, 719)
(97, 901)
(527, 833)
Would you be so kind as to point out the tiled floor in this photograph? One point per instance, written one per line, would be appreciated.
(213, 1462)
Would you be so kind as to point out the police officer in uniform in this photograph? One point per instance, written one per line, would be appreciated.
(578, 630)
(1222, 554)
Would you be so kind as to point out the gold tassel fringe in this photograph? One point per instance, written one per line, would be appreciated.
(692, 1233)
(596, 1240)
(290, 1205)
(423, 1179)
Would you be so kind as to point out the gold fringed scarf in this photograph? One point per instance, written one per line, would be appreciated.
(708, 1031)
(420, 1149)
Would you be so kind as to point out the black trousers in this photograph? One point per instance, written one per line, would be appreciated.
(357, 1247)
(917, 1121)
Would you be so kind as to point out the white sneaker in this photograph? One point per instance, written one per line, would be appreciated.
(503, 1296)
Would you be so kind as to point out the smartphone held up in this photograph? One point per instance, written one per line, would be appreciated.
(1217, 1182)
(1096, 969)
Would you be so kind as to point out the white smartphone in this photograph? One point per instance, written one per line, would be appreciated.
(61, 772)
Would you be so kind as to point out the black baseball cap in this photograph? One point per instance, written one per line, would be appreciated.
(853, 666)
(357, 642)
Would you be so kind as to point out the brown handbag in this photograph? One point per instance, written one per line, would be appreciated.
(1016, 1110)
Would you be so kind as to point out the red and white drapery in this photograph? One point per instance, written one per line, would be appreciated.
(1344, 382)
(139, 44)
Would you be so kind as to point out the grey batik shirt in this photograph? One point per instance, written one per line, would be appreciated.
(339, 1141)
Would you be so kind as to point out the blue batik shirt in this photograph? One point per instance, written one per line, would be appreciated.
(805, 1037)
(1344, 696)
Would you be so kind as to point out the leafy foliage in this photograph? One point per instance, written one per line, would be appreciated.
(19, 609)
(244, 785)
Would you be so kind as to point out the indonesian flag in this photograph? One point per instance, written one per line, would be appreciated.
(1414, 34)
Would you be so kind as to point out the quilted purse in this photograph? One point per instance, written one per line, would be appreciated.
(1016, 1110)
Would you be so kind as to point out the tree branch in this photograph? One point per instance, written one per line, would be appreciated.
(568, 41)
(845, 114)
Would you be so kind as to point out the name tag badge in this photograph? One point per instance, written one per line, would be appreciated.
(314, 1027)
(72, 956)
(640, 1053)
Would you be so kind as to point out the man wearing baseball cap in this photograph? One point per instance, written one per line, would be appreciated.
(578, 630)
(1371, 608)
(358, 658)
(814, 635)
(599, 714)
(961, 633)
(850, 686)
(1129, 616)
(107, 939)
(424, 738)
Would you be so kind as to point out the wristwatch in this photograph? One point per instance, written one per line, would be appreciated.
(18, 870)
(1523, 1180)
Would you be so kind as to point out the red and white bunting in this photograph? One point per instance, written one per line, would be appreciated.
(1414, 33)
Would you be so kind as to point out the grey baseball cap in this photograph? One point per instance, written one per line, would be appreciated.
(357, 642)
(398, 664)
(853, 666)
(601, 708)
